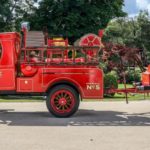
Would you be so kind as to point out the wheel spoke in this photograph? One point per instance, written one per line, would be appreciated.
(65, 95)
(57, 104)
(69, 102)
(63, 107)
(67, 106)
(68, 97)
(58, 96)
(62, 95)
(56, 100)
(59, 107)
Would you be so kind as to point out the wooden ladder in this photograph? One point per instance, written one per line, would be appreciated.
(35, 39)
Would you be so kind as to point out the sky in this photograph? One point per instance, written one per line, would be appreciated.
(132, 7)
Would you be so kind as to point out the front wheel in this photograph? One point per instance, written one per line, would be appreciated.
(63, 101)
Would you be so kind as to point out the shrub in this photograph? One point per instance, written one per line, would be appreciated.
(115, 74)
(110, 81)
(133, 77)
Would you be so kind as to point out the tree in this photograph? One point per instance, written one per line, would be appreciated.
(23, 9)
(6, 9)
(75, 18)
(12, 12)
(132, 32)
(143, 36)
(122, 31)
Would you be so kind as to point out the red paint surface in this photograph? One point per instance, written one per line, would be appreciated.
(39, 78)
(8, 60)
(146, 77)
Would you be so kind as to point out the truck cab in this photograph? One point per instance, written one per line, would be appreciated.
(64, 80)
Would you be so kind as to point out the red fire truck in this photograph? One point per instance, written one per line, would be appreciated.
(42, 67)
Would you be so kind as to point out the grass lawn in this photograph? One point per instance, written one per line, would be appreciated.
(21, 99)
(121, 86)
(131, 97)
(18, 100)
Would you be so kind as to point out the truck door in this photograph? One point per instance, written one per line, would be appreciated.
(7, 63)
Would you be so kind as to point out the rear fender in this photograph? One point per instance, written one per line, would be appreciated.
(66, 81)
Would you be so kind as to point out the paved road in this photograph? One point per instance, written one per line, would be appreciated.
(96, 126)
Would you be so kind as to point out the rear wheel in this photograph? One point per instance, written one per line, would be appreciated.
(63, 101)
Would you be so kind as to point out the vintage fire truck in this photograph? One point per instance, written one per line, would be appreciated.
(34, 64)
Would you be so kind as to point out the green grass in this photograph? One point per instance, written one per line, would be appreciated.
(121, 86)
(131, 97)
(20, 99)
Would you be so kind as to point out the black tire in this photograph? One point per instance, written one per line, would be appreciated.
(58, 96)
